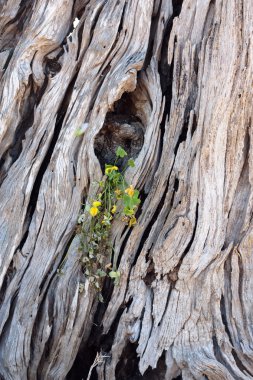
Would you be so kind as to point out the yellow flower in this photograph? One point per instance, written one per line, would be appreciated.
(117, 191)
(132, 221)
(113, 210)
(94, 211)
(130, 191)
(110, 169)
(96, 204)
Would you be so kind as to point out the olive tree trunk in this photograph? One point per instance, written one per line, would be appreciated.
(182, 70)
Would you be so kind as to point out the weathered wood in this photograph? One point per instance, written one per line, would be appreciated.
(179, 72)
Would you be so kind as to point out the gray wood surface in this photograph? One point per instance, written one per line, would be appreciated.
(183, 69)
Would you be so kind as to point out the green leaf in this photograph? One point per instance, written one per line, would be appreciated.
(136, 199)
(131, 163)
(87, 208)
(114, 274)
(101, 273)
(116, 177)
(120, 152)
(128, 211)
(126, 200)
(136, 193)
(79, 132)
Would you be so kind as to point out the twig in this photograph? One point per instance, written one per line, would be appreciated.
(98, 360)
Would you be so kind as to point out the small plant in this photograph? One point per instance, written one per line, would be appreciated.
(116, 200)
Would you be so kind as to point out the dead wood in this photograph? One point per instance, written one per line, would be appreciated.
(171, 81)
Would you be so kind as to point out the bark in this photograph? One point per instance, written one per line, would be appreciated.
(182, 70)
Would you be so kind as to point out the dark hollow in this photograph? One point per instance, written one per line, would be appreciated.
(119, 130)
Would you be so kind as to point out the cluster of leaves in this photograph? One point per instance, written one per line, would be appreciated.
(115, 200)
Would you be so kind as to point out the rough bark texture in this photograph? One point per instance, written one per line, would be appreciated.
(179, 74)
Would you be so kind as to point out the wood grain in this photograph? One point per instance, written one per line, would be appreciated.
(182, 70)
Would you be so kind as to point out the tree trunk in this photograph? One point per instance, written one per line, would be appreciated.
(183, 70)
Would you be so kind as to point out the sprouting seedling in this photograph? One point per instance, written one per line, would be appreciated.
(116, 200)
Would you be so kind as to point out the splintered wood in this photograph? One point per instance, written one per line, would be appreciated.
(179, 72)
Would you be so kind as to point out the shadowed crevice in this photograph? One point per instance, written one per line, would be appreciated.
(128, 366)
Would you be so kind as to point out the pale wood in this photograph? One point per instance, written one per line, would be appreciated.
(184, 303)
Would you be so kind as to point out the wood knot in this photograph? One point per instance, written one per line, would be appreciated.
(173, 276)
